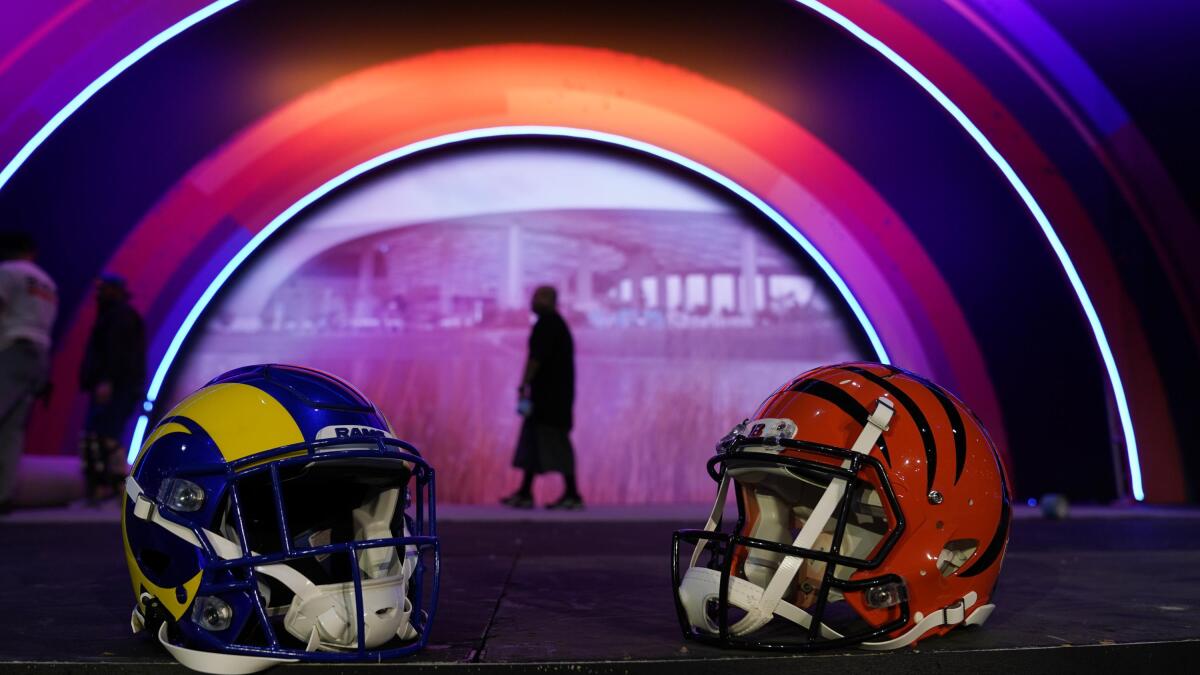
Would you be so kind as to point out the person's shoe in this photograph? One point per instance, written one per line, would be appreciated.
(518, 501)
(567, 503)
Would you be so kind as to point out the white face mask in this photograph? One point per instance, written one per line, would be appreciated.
(326, 616)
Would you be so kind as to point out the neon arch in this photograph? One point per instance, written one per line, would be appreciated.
(825, 10)
(1064, 259)
(225, 200)
(345, 177)
(105, 78)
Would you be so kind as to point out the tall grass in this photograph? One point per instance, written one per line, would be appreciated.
(649, 407)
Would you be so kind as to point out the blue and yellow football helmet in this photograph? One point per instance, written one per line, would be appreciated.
(272, 516)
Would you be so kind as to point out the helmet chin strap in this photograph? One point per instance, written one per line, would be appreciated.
(700, 586)
(216, 662)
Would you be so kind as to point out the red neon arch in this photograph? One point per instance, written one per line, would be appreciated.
(239, 188)
(1159, 445)
(106, 35)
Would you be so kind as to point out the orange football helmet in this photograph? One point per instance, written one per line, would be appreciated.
(872, 509)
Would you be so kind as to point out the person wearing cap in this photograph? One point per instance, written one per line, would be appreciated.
(28, 304)
(113, 375)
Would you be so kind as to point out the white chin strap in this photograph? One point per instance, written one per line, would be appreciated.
(216, 662)
(324, 616)
(701, 586)
(327, 616)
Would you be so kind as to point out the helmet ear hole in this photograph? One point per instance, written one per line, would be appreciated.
(955, 554)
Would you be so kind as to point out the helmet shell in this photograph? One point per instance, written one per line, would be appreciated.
(238, 415)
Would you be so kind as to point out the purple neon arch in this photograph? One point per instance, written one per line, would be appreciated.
(831, 15)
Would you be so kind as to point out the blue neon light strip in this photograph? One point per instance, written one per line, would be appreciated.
(139, 432)
(100, 82)
(1110, 363)
(172, 351)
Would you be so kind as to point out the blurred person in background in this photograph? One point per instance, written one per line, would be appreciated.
(113, 375)
(546, 396)
(28, 303)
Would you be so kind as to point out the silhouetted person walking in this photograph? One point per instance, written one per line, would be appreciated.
(28, 303)
(547, 394)
(113, 374)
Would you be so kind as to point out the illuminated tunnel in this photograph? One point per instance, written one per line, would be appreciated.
(867, 126)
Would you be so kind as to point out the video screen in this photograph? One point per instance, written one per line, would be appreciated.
(687, 309)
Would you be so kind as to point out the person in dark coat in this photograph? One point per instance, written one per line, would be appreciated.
(547, 395)
(113, 375)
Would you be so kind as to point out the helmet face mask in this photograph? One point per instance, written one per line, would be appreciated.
(778, 492)
(346, 534)
(838, 539)
(268, 557)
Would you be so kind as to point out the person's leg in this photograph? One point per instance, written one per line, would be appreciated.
(564, 463)
(114, 467)
(19, 372)
(570, 500)
(527, 459)
(12, 441)
(526, 488)
(570, 490)
(89, 455)
(523, 497)
(91, 449)
(110, 427)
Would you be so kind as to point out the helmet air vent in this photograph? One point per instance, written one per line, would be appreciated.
(955, 554)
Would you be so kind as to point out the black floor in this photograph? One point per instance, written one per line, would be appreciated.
(1091, 595)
